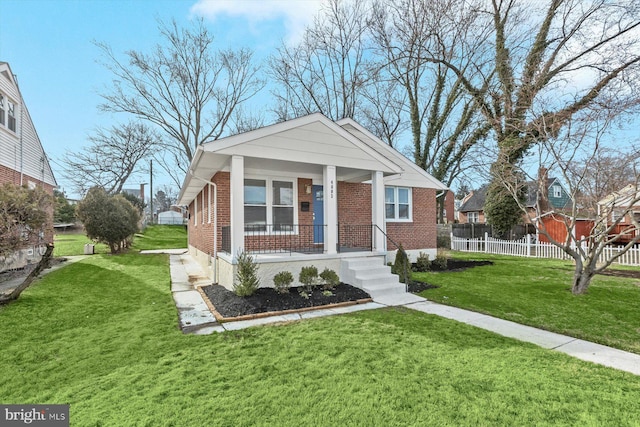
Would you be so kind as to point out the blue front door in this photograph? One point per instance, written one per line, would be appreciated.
(318, 214)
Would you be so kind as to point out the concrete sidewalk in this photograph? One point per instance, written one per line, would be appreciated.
(584, 350)
(196, 318)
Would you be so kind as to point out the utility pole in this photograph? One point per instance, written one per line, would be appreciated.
(151, 190)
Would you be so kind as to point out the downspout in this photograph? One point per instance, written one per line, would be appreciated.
(15, 77)
(215, 222)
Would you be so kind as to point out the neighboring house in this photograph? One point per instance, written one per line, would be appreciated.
(554, 198)
(622, 206)
(22, 157)
(471, 210)
(307, 191)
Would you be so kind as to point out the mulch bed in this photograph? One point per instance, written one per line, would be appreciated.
(622, 273)
(459, 265)
(452, 265)
(265, 300)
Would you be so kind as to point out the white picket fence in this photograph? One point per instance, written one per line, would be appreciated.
(528, 247)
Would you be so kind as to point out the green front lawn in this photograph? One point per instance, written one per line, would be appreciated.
(537, 292)
(101, 334)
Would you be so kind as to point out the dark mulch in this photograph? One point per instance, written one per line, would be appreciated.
(417, 287)
(459, 265)
(622, 273)
(264, 300)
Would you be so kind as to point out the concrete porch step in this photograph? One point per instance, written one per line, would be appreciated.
(371, 275)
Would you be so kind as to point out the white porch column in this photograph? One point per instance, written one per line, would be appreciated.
(237, 205)
(330, 190)
(377, 212)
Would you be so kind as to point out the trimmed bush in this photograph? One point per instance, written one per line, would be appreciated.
(422, 262)
(330, 279)
(308, 277)
(247, 282)
(441, 259)
(282, 282)
(401, 265)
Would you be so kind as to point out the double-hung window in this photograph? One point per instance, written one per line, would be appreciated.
(397, 203)
(2, 109)
(269, 205)
(11, 116)
(557, 191)
(473, 217)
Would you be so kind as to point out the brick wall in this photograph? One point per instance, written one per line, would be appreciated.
(8, 175)
(421, 233)
(354, 208)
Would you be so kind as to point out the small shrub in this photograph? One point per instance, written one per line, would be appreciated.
(247, 282)
(308, 277)
(422, 262)
(441, 260)
(304, 294)
(282, 282)
(401, 265)
(330, 279)
(327, 293)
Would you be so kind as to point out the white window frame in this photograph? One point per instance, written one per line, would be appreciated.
(476, 216)
(557, 191)
(12, 106)
(396, 204)
(269, 204)
(3, 119)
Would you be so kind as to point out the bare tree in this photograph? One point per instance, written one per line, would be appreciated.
(326, 71)
(113, 157)
(552, 60)
(185, 87)
(579, 144)
(608, 171)
(444, 119)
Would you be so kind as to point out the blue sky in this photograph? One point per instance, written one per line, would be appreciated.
(48, 44)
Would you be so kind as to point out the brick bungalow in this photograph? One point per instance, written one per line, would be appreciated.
(307, 191)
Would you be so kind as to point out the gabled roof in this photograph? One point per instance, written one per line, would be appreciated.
(302, 145)
(624, 197)
(22, 151)
(475, 202)
(411, 174)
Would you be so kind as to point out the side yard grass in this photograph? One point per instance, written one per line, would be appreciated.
(153, 237)
(536, 292)
(102, 335)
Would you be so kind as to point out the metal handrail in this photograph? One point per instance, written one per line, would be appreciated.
(406, 266)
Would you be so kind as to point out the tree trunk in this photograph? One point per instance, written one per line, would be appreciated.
(581, 280)
(44, 263)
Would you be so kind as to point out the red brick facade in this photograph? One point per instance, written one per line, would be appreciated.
(13, 176)
(420, 233)
(354, 209)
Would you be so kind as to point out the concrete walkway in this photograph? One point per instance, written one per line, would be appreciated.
(196, 318)
(8, 286)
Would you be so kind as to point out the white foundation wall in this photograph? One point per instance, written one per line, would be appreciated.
(413, 254)
(203, 259)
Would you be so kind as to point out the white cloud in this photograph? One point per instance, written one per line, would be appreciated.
(297, 14)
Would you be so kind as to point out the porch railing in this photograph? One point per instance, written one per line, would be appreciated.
(299, 238)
